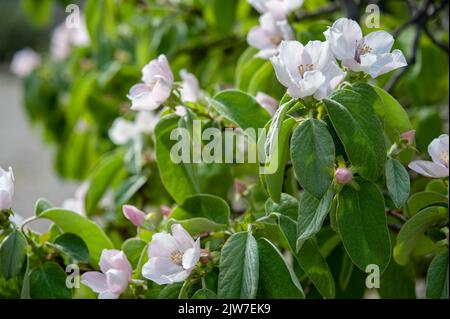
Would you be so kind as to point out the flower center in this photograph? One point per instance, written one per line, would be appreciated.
(444, 158)
(177, 258)
(302, 68)
(361, 49)
(276, 39)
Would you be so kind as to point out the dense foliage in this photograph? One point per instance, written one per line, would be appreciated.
(338, 216)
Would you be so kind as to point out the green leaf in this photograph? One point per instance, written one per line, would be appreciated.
(129, 188)
(288, 206)
(241, 108)
(74, 246)
(421, 200)
(397, 182)
(362, 225)
(204, 293)
(178, 178)
(413, 230)
(312, 153)
(92, 234)
(360, 130)
(13, 251)
(397, 282)
(274, 182)
(171, 291)
(276, 150)
(437, 277)
(49, 282)
(246, 72)
(203, 212)
(101, 179)
(239, 267)
(41, 205)
(265, 80)
(312, 213)
(225, 15)
(309, 258)
(133, 249)
(276, 277)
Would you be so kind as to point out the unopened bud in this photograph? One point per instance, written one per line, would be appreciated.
(239, 187)
(343, 175)
(205, 256)
(165, 210)
(408, 136)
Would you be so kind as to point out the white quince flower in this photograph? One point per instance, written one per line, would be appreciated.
(24, 62)
(64, 39)
(114, 277)
(370, 54)
(307, 70)
(76, 204)
(438, 167)
(267, 102)
(279, 8)
(156, 88)
(171, 257)
(123, 130)
(190, 88)
(6, 188)
(268, 35)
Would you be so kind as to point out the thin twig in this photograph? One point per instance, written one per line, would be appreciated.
(435, 41)
(333, 7)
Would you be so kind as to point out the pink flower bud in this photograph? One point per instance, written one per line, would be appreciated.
(165, 210)
(343, 175)
(239, 187)
(134, 215)
(409, 136)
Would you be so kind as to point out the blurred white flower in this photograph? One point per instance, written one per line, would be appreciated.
(24, 62)
(370, 54)
(438, 167)
(76, 204)
(114, 277)
(267, 102)
(123, 130)
(6, 188)
(307, 70)
(268, 35)
(171, 257)
(156, 88)
(180, 111)
(190, 88)
(279, 8)
(64, 39)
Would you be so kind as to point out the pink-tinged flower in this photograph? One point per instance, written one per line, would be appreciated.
(76, 204)
(6, 188)
(267, 102)
(64, 39)
(165, 210)
(190, 88)
(279, 8)
(114, 277)
(156, 88)
(134, 215)
(24, 62)
(171, 257)
(180, 111)
(438, 167)
(307, 70)
(343, 175)
(268, 35)
(370, 54)
(409, 136)
(123, 130)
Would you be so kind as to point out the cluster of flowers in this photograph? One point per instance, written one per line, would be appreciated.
(312, 69)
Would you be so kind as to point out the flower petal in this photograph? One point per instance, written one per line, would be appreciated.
(114, 259)
(281, 72)
(183, 239)
(158, 268)
(117, 280)
(108, 295)
(122, 131)
(259, 38)
(379, 41)
(343, 36)
(429, 169)
(162, 245)
(94, 280)
(438, 148)
(133, 214)
(191, 256)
